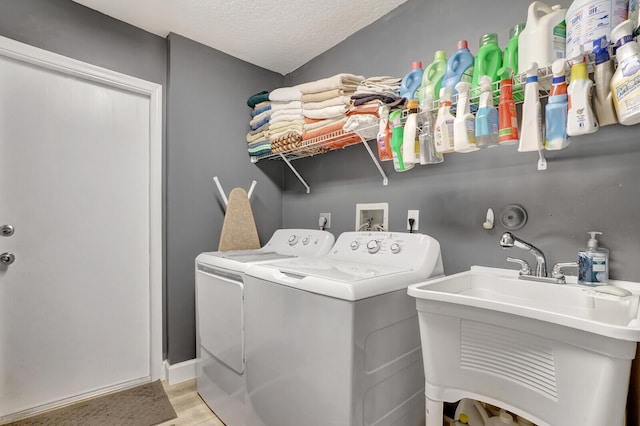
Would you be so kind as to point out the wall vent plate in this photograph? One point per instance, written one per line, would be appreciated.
(372, 217)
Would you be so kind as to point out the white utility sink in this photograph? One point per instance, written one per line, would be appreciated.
(553, 353)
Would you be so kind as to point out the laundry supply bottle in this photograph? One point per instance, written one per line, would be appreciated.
(543, 39)
(397, 135)
(488, 61)
(589, 20)
(410, 144)
(459, 67)
(510, 57)
(428, 152)
(625, 83)
(507, 114)
(384, 135)
(602, 74)
(531, 129)
(443, 134)
(557, 109)
(411, 82)
(593, 262)
(580, 117)
(464, 136)
(433, 75)
(471, 412)
(633, 15)
(503, 418)
(487, 116)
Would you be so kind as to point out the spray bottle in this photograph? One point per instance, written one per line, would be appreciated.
(464, 135)
(625, 83)
(397, 134)
(531, 130)
(410, 142)
(580, 118)
(602, 74)
(556, 110)
(487, 116)
(443, 133)
(428, 153)
(384, 135)
(507, 115)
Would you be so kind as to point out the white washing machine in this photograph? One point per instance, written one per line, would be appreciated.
(335, 340)
(220, 316)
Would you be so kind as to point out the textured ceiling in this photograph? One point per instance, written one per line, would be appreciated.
(279, 35)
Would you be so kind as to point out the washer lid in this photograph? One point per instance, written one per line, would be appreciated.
(335, 270)
(253, 255)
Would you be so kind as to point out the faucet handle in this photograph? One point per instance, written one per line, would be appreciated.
(525, 269)
(557, 272)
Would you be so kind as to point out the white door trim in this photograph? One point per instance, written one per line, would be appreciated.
(62, 64)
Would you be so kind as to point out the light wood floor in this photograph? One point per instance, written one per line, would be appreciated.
(190, 408)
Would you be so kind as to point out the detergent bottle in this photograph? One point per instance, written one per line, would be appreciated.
(580, 117)
(543, 39)
(507, 114)
(443, 133)
(557, 109)
(464, 134)
(411, 82)
(510, 58)
(384, 135)
(433, 75)
(487, 116)
(531, 130)
(625, 83)
(589, 20)
(410, 144)
(602, 74)
(397, 134)
(459, 67)
(488, 61)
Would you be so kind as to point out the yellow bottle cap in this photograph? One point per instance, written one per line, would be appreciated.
(579, 71)
(464, 418)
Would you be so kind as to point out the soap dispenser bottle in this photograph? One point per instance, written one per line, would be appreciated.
(593, 263)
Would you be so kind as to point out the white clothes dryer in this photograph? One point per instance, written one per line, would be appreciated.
(220, 315)
(335, 340)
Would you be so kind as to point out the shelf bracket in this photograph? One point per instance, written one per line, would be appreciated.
(295, 172)
(385, 179)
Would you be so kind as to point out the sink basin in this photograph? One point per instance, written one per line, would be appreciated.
(553, 353)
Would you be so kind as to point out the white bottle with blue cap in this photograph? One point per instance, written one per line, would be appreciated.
(593, 263)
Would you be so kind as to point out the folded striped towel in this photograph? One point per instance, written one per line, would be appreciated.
(257, 111)
(258, 136)
(260, 123)
(258, 118)
(259, 148)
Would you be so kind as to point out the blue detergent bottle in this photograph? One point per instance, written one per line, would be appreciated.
(411, 82)
(459, 67)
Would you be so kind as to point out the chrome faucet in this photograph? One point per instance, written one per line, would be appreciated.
(509, 240)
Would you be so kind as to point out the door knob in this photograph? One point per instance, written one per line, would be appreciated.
(7, 258)
(6, 230)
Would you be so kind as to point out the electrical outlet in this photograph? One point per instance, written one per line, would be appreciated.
(415, 215)
(326, 216)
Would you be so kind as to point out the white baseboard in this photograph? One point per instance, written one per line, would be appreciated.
(180, 372)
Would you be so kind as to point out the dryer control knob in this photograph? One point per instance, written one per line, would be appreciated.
(354, 245)
(373, 246)
(306, 240)
(395, 248)
(293, 240)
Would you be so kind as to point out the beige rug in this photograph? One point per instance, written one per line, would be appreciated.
(144, 405)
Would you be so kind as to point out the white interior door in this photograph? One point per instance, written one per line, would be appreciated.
(76, 305)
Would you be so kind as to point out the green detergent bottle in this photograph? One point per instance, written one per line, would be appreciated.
(432, 77)
(488, 61)
(510, 59)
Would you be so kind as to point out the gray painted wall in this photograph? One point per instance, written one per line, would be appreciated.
(591, 185)
(206, 128)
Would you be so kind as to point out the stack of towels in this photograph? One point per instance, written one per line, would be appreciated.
(325, 104)
(370, 95)
(286, 123)
(258, 137)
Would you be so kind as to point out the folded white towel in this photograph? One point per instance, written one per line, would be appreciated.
(276, 106)
(328, 112)
(285, 94)
(286, 117)
(281, 112)
(339, 100)
(337, 81)
(295, 124)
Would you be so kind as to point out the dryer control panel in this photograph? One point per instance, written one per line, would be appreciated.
(300, 242)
